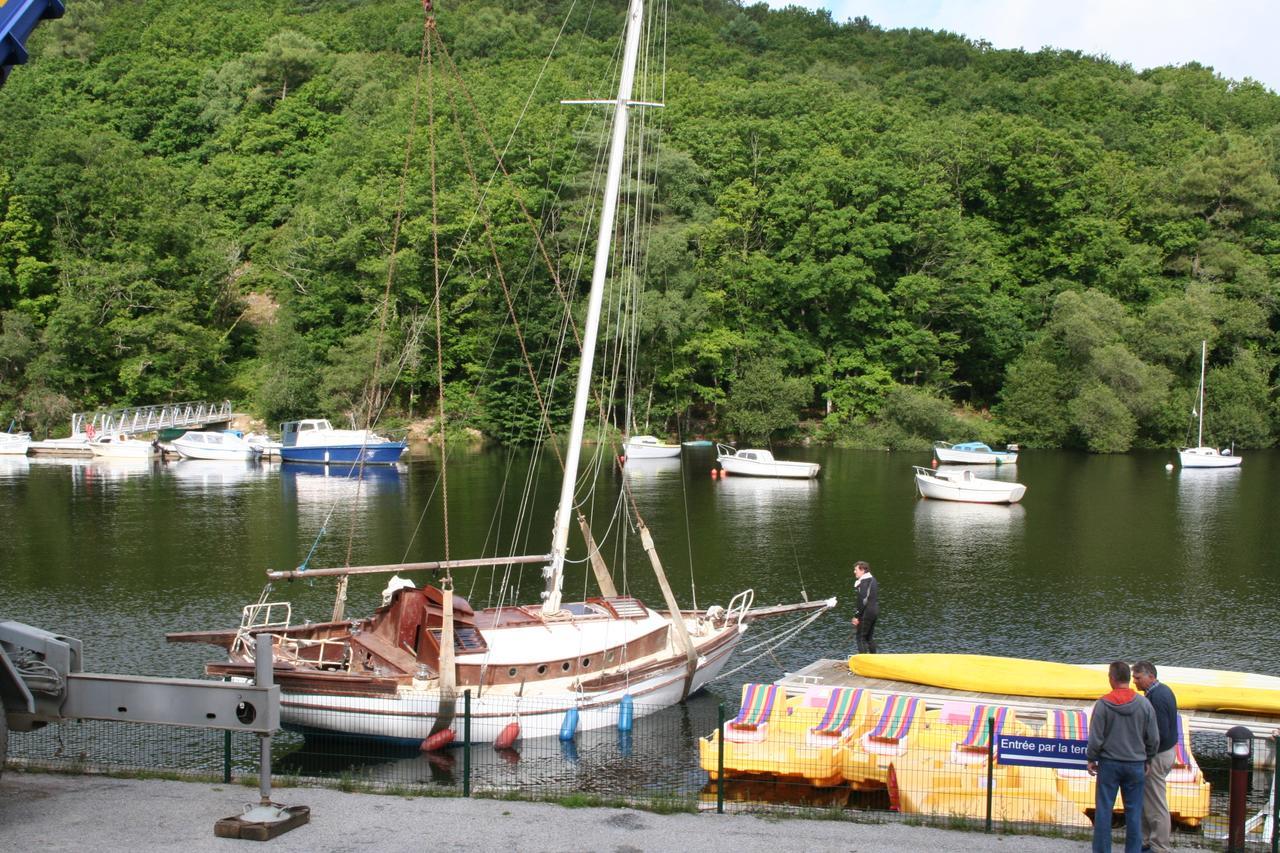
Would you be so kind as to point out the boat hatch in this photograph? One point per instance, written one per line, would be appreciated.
(581, 608)
(464, 639)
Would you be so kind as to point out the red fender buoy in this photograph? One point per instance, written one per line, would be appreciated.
(934, 463)
(714, 473)
(439, 740)
(509, 735)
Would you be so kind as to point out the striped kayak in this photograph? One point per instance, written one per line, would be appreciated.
(1196, 689)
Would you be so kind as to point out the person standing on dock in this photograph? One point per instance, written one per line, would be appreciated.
(868, 596)
(1123, 737)
(1156, 825)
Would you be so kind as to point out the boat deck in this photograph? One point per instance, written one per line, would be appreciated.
(836, 672)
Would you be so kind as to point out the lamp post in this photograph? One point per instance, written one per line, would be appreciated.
(1240, 741)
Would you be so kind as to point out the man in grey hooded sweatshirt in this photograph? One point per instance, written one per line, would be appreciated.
(1123, 737)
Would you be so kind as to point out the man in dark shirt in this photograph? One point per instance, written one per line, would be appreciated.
(1155, 801)
(864, 624)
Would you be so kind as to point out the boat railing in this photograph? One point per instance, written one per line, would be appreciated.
(262, 616)
(739, 606)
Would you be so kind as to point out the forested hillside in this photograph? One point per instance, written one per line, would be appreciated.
(873, 237)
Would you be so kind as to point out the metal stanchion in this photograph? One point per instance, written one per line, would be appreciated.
(991, 742)
(466, 743)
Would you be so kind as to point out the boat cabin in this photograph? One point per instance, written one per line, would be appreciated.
(290, 430)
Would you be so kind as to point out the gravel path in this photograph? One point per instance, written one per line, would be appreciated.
(49, 813)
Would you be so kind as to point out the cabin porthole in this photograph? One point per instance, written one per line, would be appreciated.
(511, 673)
(542, 669)
(586, 662)
(608, 657)
(565, 666)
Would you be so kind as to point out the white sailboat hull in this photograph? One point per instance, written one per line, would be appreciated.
(968, 490)
(413, 713)
(1207, 457)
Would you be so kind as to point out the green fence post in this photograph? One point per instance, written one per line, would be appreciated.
(226, 757)
(720, 763)
(1275, 795)
(466, 743)
(991, 770)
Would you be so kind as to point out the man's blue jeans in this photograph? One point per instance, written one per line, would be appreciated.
(1127, 777)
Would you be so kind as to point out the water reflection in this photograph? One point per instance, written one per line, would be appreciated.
(206, 475)
(765, 495)
(959, 534)
(100, 471)
(1206, 499)
(321, 486)
(13, 466)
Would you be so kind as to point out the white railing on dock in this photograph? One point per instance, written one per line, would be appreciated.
(137, 419)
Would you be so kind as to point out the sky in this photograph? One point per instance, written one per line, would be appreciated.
(1234, 37)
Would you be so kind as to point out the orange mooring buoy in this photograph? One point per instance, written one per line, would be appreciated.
(507, 736)
(439, 740)
(934, 463)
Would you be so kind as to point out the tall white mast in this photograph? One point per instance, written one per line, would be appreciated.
(1200, 405)
(560, 540)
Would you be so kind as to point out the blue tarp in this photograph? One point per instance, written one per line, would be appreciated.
(17, 19)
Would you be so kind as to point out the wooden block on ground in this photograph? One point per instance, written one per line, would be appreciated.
(238, 827)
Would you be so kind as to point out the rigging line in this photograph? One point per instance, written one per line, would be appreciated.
(435, 270)
(371, 402)
(790, 634)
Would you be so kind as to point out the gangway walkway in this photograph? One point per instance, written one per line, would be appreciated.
(137, 419)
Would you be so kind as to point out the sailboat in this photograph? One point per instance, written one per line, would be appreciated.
(1201, 456)
(551, 667)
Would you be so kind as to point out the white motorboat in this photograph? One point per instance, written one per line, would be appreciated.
(973, 453)
(1201, 456)
(121, 446)
(962, 485)
(760, 463)
(554, 667)
(14, 443)
(649, 447)
(266, 445)
(215, 446)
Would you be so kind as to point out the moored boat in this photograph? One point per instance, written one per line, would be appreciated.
(1202, 456)
(649, 447)
(973, 453)
(760, 463)
(121, 446)
(15, 443)
(554, 667)
(964, 486)
(315, 440)
(214, 446)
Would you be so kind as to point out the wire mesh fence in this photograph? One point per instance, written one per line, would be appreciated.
(842, 751)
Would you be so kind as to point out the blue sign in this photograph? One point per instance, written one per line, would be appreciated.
(1063, 753)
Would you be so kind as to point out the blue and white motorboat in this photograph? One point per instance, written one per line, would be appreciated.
(315, 440)
(973, 453)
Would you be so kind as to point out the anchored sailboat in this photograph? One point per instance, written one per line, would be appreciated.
(1201, 456)
(400, 672)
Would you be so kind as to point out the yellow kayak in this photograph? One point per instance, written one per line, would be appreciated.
(1199, 689)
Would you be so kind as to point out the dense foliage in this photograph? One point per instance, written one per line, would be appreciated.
(867, 236)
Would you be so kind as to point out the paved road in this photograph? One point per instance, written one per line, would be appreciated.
(50, 813)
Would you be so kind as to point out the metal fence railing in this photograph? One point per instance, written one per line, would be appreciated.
(840, 751)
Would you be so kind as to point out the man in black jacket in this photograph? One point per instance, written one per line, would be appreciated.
(864, 624)
(1155, 793)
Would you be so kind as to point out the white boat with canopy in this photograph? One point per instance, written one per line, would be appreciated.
(121, 446)
(545, 668)
(760, 463)
(215, 446)
(963, 485)
(1201, 456)
(973, 453)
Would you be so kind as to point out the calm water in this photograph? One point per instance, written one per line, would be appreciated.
(1106, 557)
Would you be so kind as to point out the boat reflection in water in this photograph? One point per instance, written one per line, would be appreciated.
(954, 531)
(207, 475)
(13, 467)
(774, 497)
(323, 484)
(104, 469)
(1207, 502)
